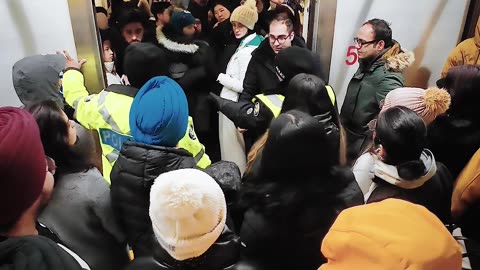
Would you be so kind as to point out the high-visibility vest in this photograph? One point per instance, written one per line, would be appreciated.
(191, 143)
(108, 112)
(274, 102)
(331, 94)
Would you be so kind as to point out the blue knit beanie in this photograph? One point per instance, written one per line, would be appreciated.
(181, 19)
(159, 113)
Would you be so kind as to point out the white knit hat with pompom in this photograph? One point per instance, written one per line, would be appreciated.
(188, 212)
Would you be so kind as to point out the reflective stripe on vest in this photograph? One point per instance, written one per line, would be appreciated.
(107, 117)
(112, 156)
(199, 156)
(273, 102)
(331, 94)
(101, 97)
(191, 143)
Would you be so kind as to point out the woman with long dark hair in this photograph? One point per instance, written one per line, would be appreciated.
(309, 94)
(455, 136)
(399, 166)
(79, 212)
(302, 190)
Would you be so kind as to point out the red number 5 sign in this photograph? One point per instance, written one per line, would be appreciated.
(352, 56)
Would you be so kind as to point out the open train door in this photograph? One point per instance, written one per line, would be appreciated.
(429, 28)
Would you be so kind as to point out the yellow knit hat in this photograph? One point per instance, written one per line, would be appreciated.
(246, 14)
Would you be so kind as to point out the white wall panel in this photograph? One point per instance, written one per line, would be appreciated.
(29, 28)
(430, 28)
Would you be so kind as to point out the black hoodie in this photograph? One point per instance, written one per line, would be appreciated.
(34, 253)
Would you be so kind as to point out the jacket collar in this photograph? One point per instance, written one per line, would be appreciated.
(389, 173)
(394, 58)
(173, 45)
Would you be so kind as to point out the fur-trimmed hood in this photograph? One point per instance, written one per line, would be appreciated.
(397, 59)
(174, 46)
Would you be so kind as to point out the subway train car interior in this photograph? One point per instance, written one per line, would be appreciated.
(325, 134)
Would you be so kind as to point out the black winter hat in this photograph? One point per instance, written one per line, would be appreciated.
(144, 61)
(297, 146)
(295, 60)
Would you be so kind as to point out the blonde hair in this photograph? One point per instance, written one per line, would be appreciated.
(255, 151)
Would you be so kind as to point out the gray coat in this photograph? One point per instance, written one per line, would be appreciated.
(80, 214)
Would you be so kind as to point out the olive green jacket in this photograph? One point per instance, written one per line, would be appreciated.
(366, 91)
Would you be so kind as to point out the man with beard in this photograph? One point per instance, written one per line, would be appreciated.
(382, 61)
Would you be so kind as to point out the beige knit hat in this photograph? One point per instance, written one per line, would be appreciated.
(188, 212)
(246, 14)
(428, 104)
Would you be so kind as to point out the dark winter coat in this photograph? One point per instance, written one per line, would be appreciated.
(433, 189)
(285, 228)
(34, 252)
(261, 77)
(365, 92)
(132, 177)
(453, 141)
(435, 194)
(193, 67)
(223, 254)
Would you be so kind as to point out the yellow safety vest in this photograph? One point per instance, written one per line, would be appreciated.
(191, 143)
(108, 113)
(331, 94)
(274, 102)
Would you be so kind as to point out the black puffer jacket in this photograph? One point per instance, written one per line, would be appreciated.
(132, 177)
(453, 141)
(284, 230)
(223, 254)
(34, 252)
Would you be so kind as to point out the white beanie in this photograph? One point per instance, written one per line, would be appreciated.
(188, 212)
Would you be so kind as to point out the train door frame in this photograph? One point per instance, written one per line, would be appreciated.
(87, 43)
(321, 27)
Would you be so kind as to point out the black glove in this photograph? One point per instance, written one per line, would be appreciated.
(218, 101)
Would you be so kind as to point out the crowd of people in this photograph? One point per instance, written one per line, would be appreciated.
(218, 144)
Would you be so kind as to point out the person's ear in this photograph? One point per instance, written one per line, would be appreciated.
(380, 45)
(380, 152)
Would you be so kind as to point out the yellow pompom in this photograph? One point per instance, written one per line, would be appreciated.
(437, 100)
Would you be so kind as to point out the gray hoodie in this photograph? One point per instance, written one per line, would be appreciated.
(36, 78)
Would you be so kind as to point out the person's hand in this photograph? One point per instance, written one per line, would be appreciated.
(72, 63)
(242, 130)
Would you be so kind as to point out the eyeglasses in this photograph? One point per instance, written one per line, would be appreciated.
(51, 166)
(362, 42)
(281, 39)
